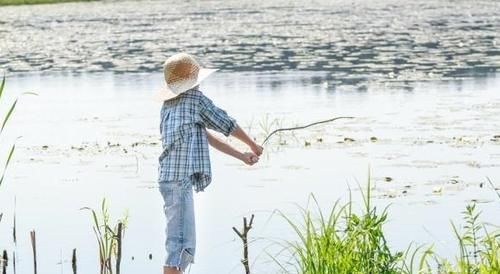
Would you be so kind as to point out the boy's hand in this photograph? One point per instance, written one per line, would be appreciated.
(249, 158)
(242, 136)
(257, 149)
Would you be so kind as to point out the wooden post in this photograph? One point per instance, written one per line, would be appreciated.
(33, 246)
(14, 262)
(119, 247)
(244, 238)
(73, 261)
(4, 262)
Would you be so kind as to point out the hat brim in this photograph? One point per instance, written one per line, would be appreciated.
(165, 94)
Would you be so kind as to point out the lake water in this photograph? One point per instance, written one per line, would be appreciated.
(392, 42)
(96, 135)
(420, 78)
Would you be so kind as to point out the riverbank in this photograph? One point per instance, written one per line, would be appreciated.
(36, 2)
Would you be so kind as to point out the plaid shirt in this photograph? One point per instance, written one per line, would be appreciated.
(184, 138)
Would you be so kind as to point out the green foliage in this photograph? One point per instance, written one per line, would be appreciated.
(9, 157)
(416, 260)
(108, 237)
(349, 242)
(4, 123)
(479, 248)
(344, 241)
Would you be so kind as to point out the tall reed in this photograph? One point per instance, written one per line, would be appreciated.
(4, 122)
(109, 239)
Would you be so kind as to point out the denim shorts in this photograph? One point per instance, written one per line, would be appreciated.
(180, 243)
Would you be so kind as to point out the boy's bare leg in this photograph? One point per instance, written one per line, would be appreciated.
(171, 270)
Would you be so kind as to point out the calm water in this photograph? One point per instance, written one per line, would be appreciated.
(93, 130)
(358, 42)
(96, 135)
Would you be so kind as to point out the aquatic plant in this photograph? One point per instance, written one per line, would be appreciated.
(267, 125)
(3, 171)
(109, 239)
(479, 248)
(5, 120)
(10, 153)
(343, 241)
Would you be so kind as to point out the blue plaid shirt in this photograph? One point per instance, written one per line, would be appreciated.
(184, 120)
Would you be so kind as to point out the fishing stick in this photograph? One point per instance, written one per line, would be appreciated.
(303, 127)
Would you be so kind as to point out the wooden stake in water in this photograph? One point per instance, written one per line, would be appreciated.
(73, 261)
(14, 261)
(4, 262)
(14, 226)
(244, 238)
(119, 247)
(33, 246)
(14, 236)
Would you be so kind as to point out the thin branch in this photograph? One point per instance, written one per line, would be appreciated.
(303, 127)
(244, 238)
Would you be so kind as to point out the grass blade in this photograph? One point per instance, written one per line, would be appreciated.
(2, 85)
(13, 148)
(7, 117)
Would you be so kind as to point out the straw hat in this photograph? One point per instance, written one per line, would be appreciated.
(182, 73)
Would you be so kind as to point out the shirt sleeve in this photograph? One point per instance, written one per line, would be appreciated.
(216, 118)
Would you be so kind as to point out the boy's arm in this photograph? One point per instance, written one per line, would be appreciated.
(247, 157)
(217, 119)
(240, 134)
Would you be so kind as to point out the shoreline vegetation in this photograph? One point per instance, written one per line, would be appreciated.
(344, 240)
(36, 2)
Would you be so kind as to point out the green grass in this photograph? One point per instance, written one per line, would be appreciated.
(478, 247)
(345, 241)
(34, 2)
(4, 122)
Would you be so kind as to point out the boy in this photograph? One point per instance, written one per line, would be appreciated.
(184, 163)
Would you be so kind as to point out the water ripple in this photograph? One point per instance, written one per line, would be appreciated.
(357, 41)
